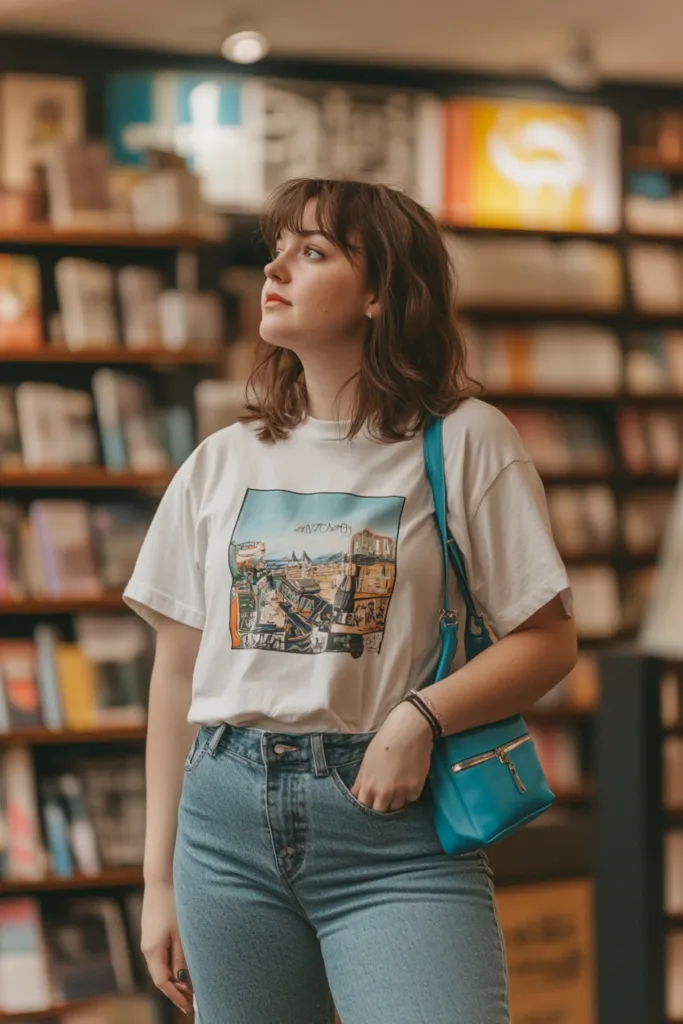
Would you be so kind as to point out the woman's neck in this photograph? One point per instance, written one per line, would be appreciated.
(330, 389)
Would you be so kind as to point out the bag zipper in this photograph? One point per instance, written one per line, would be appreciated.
(501, 754)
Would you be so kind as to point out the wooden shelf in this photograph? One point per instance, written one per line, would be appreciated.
(47, 737)
(558, 716)
(502, 311)
(82, 476)
(646, 158)
(55, 1012)
(62, 605)
(575, 797)
(110, 878)
(559, 234)
(612, 398)
(45, 234)
(192, 355)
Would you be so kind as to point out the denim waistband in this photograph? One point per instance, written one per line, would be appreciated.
(313, 752)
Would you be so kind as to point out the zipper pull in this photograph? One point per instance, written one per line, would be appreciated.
(506, 760)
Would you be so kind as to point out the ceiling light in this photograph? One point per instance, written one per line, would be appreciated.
(574, 67)
(246, 47)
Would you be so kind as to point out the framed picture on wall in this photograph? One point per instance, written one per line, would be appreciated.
(36, 111)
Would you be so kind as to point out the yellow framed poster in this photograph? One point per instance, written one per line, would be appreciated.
(518, 164)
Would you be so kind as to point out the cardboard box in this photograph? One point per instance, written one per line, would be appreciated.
(550, 944)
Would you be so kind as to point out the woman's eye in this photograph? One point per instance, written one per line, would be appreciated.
(310, 251)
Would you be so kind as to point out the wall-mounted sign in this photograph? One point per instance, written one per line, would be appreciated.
(243, 136)
(514, 164)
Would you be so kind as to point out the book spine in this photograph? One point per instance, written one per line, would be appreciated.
(48, 683)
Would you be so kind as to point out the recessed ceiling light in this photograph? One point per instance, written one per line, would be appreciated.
(246, 47)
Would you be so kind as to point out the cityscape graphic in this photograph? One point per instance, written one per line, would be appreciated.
(313, 573)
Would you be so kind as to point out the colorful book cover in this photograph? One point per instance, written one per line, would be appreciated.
(20, 308)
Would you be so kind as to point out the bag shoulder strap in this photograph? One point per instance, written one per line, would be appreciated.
(451, 553)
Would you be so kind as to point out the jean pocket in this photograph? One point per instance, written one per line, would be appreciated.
(200, 745)
(344, 777)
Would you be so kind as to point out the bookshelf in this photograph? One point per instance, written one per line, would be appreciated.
(89, 477)
(111, 878)
(40, 234)
(64, 605)
(66, 737)
(190, 356)
(633, 927)
(98, 759)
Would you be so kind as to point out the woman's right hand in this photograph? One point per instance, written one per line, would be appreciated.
(161, 945)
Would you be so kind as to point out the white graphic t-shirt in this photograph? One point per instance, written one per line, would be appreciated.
(313, 566)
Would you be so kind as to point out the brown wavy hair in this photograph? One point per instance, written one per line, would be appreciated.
(413, 360)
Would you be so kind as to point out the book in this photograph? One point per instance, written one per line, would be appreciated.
(190, 318)
(653, 363)
(21, 323)
(218, 404)
(19, 680)
(139, 290)
(82, 838)
(24, 975)
(62, 530)
(87, 950)
(118, 533)
(132, 427)
(56, 829)
(56, 426)
(12, 555)
(10, 443)
(86, 299)
(78, 687)
(114, 789)
(656, 278)
(78, 186)
(27, 858)
(36, 112)
(46, 639)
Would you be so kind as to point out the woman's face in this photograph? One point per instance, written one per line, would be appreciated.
(314, 297)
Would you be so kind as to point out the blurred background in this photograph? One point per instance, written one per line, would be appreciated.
(137, 144)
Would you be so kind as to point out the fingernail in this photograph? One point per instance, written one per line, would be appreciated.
(182, 975)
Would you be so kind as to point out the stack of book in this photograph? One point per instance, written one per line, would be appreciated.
(118, 424)
(101, 307)
(61, 548)
(98, 681)
(77, 950)
(547, 358)
(522, 272)
(651, 440)
(74, 822)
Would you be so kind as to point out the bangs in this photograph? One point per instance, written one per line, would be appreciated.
(338, 211)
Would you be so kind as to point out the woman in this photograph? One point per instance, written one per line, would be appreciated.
(293, 573)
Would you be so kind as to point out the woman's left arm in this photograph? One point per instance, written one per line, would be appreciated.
(506, 678)
(511, 675)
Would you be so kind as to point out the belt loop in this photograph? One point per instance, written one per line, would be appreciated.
(216, 738)
(319, 759)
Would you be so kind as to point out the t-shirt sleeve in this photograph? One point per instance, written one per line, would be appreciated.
(498, 514)
(168, 577)
(515, 568)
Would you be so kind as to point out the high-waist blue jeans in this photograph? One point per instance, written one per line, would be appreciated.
(292, 896)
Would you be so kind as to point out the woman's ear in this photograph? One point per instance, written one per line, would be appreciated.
(373, 309)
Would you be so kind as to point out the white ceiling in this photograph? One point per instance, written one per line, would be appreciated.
(631, 38)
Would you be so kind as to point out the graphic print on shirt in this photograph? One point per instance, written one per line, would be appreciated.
(313, 572)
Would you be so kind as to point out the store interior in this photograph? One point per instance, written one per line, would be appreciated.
(137, 146)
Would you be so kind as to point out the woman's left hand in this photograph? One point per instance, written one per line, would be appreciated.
(396, 763)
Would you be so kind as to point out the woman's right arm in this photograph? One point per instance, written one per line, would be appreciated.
(169, 737)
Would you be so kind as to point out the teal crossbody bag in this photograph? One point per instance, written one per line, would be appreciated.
(487, 781)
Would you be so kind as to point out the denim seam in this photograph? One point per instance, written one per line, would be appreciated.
(499, 930)
(197, 757)
(284, 881)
